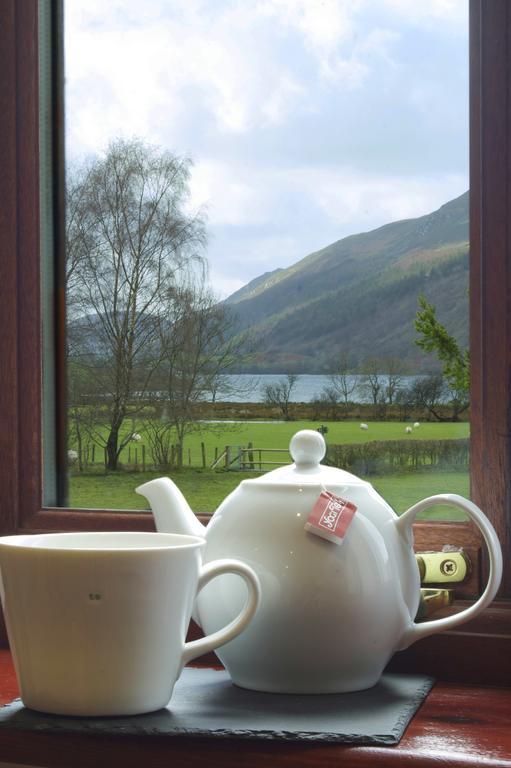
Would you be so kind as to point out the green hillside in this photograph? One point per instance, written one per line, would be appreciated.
(359, 295)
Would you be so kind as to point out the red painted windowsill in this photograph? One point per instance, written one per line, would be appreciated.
(458, 725)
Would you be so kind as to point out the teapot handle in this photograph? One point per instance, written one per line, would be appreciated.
(214, 568)
(404, 525)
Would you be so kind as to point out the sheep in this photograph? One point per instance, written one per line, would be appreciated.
(72, 456)
(416, 425)
(364, 426)
(408, 430)
(136, 437)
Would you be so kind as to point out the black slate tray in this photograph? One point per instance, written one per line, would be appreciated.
(205, 703)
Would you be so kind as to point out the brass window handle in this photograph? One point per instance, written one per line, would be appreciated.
(433, 600)
(443, 567)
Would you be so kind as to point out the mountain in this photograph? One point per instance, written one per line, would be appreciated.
(359, 295)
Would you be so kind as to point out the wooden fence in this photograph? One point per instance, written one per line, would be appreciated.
(248, 459)
(373, 458)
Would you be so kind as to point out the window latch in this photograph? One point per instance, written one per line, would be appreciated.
(448, 567)
(432, 601)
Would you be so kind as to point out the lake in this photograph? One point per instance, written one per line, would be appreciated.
(248, 387)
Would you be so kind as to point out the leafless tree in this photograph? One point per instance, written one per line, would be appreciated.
(372, 379)
(221, 387)
(392, 370)
(83, 416)
(326, 404)
(381, 380)
(159, 437)
(342, 382)
(279, 394)
(198, 346)
(130, 246)
(430, 392)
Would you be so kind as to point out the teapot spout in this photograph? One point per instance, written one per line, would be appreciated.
(170, 508)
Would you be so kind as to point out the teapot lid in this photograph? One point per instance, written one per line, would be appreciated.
(307, 448)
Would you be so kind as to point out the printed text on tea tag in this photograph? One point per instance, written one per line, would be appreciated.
(330, 517)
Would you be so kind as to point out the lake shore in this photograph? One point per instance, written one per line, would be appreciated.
(301, 411)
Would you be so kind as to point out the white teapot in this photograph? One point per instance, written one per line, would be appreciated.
(332, 612)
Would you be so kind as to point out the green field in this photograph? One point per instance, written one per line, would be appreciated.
(206, 488)
(277, 434)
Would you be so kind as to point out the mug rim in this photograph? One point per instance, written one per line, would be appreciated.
(42, 542)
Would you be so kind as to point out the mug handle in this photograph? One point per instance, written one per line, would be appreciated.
(208, 572)
(404, 525)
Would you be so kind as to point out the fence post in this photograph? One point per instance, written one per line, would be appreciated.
(250, 456)
(143, 458)
(106, 457)
(136, 457)
(203, 451)
(189, 457)
(93, 451)
(227, 452)
(216, 453)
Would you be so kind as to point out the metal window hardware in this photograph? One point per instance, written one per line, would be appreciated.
(432, 601)
(443, 567)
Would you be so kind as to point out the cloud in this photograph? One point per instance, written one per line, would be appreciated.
(281, 215)
(307, 120)
(123, 69)
(451, 12)
(357, 202)
(228, 194)
(248, 64)
(331, 32)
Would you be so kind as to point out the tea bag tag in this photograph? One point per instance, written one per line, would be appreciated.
(331, 517)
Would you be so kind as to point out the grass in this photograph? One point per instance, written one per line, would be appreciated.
(205, 489)
(278, 434)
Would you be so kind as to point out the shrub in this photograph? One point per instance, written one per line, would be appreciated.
(386, 457)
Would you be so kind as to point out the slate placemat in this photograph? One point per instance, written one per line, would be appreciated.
(206, 703)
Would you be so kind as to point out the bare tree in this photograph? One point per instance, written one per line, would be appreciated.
(130, 246)
(372, 379)
(221, 387)
(198, 346)
(381, 380)
(326, 403)
(159, 437)
(392, 370)
(433, 391)
(279, 394)
(342, 382)
(426, 392)
(83, 415)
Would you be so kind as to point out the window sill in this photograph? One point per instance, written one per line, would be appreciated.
(458, 725)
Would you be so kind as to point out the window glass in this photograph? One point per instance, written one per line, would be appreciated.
(266, 230)
(48, 242)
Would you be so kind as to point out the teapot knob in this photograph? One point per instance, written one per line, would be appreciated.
(307, 448)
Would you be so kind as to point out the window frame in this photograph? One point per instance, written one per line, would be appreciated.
(21, 439)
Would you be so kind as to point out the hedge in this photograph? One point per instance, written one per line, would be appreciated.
(388, 456)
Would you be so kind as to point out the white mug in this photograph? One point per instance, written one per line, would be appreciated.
(97, 621)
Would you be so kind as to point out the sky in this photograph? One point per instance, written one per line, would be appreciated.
(306, 120)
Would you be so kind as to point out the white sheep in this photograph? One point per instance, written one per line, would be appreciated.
(364, 426)
(416, 425)
(136, 437)
(72, 456)
(408, 430)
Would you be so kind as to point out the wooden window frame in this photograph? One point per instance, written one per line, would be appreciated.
(21, 438)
